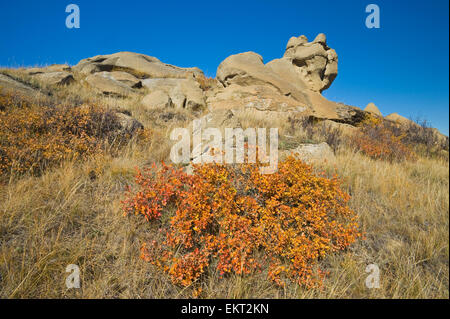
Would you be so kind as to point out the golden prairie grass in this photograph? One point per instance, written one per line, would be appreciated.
(67, 217)
(71, 214)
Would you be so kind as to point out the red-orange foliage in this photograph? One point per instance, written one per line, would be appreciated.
(33, 137)
(233, 218)
(381, 141)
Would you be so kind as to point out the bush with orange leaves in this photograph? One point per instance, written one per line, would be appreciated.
(234, 219)
(33, 137)
(380, 140)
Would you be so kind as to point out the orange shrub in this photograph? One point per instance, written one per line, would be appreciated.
(234, 219)
(33, 137)
(379, 140)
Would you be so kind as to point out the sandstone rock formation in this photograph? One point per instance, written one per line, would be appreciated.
(10, 84)
(315, 62)
(156, 99)
(140, 65)
(292, 83)
(107, 85)
(123, 77)
(56, 78)
(49, 69)
(372, 108)
(398, 119)
(183, 93)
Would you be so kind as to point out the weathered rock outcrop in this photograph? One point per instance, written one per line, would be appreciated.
(107, 85)
(48, 69)
(56, 78)
(372, 108)
(140, 65)
(315, 62)
(156, 99)
(183, 93)
(248, 69)
(288, 86)
(398, 119)
(292, 83)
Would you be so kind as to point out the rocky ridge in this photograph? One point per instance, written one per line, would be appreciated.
(292, 84)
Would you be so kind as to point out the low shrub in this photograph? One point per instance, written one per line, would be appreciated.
(425, 140)
(33, 137)
(232, 219)
(380, 140)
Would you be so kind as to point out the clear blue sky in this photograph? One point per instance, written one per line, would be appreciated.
(402, 67)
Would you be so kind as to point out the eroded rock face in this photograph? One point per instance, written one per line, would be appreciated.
(183, 93)
(107, 85)
(372, 108)
(315, 63)
(56, 78)
(123, 77)
(156, 99)
(291, 83)
(139, 65)
(398, 119)
(247, 69)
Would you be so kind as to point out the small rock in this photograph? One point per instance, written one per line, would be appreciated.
(308, 152)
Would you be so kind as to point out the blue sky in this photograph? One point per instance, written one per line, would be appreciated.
(402, 67)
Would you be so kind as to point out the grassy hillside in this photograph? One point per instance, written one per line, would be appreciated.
(70, 213)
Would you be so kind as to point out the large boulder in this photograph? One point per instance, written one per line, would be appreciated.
(183, 93)
(260, 97)
(372, 108)
(140, 65)
(315, 63)
(55, 78)
(107, 85)
(293, 82)
(247, 69)
(123, 77)
(156, 99)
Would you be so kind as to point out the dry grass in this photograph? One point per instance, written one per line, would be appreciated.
(65, 217)
(72, 215)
